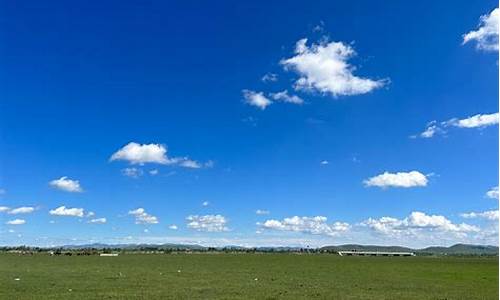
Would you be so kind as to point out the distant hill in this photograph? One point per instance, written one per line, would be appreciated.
(458, 249)
(462, 249)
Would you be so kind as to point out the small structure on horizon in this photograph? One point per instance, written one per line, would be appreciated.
(108, 254)
(374, 253)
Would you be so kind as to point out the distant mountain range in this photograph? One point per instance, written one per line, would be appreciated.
(458, 249)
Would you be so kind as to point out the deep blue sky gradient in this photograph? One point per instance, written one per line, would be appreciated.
(80, 80)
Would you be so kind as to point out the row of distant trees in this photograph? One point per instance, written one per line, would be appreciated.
(155, 249)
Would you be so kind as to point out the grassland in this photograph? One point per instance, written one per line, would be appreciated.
(246, 276)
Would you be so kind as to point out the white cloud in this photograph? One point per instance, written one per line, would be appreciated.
(431, 130)
(477, 121)
(270, 77)
(262, 212)
(141, 154)
(173, 227)
(70, 212)
(67, 185)
(188, 163)
(312, 225)
(132, 172)
(486, 36)
(154, 172)
(399, 179)
(142, 217)
(324, 68)
(491, 215)
(256, 99)
(210, 223)
(4, 209)
(98, 221)
(285, 97)
(16, 222)
(417, 224)
(205, 203)
(324, 162)
(492, 193)
(21, 210)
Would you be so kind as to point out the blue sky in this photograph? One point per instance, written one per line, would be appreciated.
(338, 122)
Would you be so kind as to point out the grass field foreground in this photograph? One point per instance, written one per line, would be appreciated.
(246, 276)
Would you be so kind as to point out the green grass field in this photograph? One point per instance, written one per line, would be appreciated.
(246, 276)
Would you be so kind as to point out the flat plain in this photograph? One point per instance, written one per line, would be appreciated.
(246, 276)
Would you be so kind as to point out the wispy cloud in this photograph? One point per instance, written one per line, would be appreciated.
(142, 217)
(262, 212)
(477, 121)
(98, 221)
(209, 223)
(270, 77)
(21, 210)
(491, 215)
(16, 222)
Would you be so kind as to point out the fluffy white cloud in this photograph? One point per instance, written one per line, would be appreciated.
(142, 217)
(67, 185)
(324, 68)
(154, 172)
(132, 172)
(98, 221)
(141, 154)
(416, 224)
(173, 227)
(285, 97)
(270, 77)
(312, 225)
(324, 162)
(16, 222)
(21, 210)
(399, 179)
(492, 193)
(262, 212)
(205, 203)
(66, 211)
(136, 153)
(486, 36)
(491, 215)
(256, 99)
(4, 209)
(210, 223)
(477, 121)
